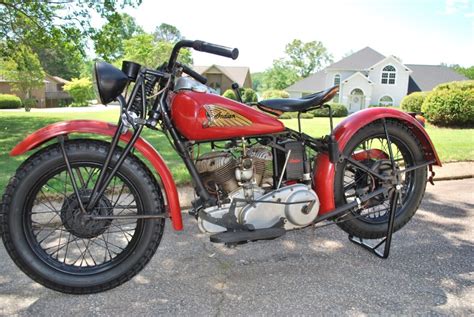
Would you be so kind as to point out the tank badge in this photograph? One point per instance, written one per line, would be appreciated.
(218, 116)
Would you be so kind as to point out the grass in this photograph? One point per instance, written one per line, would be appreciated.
(451, 144)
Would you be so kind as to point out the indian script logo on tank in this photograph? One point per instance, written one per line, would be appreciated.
(218, 116)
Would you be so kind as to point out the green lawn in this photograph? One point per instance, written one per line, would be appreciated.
(451, 144)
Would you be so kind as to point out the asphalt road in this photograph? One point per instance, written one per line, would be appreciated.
(309, 272)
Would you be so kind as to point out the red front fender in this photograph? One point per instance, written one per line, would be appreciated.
(325, 170)
(98, 127)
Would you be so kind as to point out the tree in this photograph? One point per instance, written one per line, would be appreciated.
(306, 58)
(167, 33)
(80, 90)
(24, 70)
(466, 71)
(147, 51)
(280, 75)
(33, 23)
(108, 41)
(61, 59)
(257, 81)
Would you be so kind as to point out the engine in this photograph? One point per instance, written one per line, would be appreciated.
(222, 173)
(246, 176)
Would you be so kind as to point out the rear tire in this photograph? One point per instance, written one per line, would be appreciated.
(110, 251)
(350, 182)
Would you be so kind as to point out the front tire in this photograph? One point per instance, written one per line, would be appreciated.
(46, 237)
(371, 221)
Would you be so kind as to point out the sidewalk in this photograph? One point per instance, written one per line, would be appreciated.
(455, 170)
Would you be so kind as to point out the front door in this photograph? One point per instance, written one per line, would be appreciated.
(356, 100)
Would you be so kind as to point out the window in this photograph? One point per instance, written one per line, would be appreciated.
(386, 101)
(337, 82)
(388, 75)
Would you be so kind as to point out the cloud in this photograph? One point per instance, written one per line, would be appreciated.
(456, 6)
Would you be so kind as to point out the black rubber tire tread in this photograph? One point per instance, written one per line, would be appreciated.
(359, 228)
(152, 198)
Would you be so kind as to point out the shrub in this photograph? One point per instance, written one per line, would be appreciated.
(338, 110)
(249, 95)
(413, 102)
(9, 102)
(80, 90)
(451, 104)
(462, 85)
(286, 115)
(29, 103)
(275, 94)
(307, 115)
(229, 93)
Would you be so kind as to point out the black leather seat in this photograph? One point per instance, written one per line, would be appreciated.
(278, 106)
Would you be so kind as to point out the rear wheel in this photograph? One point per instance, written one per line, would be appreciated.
(369, 146)
(55, 244)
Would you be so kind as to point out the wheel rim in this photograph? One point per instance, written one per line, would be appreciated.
(356, 182)
(68, 242)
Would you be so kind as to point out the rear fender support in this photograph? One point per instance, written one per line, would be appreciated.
(51, 131)
(325, 171)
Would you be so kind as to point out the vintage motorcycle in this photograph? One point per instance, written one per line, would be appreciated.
(84, 215)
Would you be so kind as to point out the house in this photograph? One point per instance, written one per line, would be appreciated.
(54, 91)
(221, 78)
(50, 94)
(369, 78)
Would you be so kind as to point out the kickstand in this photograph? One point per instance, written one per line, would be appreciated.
(393, 209)
(387, 241)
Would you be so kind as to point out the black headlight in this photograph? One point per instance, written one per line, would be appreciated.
(109, 82)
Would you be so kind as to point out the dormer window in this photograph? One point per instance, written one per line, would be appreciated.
(388, 75)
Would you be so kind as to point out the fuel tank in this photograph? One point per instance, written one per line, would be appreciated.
(204, 116)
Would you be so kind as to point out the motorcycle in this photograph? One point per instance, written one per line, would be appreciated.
(84, 215)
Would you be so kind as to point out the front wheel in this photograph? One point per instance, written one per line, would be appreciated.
(55, 244)
(369, 147)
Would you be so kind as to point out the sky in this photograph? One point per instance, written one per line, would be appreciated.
(417, 31)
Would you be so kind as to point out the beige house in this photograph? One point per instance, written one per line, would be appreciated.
(50, 94)
(221, 78)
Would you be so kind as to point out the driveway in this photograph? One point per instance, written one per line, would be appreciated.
(310, 272)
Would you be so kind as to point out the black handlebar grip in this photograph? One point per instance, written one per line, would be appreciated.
(200, 78)
(216, 49)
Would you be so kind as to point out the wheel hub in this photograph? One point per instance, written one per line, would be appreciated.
(80, 224)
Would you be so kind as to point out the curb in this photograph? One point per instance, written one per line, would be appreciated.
(452, 178)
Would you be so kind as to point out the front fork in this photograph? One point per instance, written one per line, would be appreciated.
(108, 169)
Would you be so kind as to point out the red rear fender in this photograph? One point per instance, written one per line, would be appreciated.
(103, 128)
(325, 170)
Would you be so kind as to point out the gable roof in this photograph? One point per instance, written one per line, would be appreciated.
(314, 82)
(358, 74)
(426, 77)
(360, 60)
(237, 74)
(57, 79)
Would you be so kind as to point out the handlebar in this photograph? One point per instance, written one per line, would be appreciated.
(202, 47)
(200, 78)
(216, 49)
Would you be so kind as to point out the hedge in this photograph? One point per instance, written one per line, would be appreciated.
(413, 102)
(9, 102)
(450, 104)
(275, 94)
(338, 110)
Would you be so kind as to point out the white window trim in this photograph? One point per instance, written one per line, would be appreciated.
(388, 75)
(387, 96)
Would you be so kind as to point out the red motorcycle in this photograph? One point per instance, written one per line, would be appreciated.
(83, 215)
